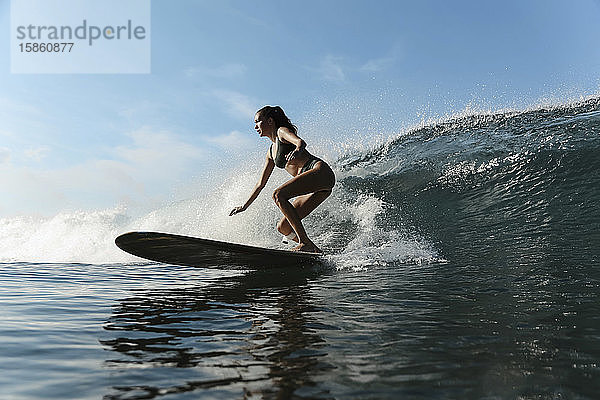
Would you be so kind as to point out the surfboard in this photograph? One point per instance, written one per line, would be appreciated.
(197, 252)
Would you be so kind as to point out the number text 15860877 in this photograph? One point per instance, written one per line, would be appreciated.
(45, 47)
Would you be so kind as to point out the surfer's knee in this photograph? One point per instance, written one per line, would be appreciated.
(278, 196)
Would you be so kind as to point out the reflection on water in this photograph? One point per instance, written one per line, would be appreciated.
(401, 331)
(406, 331)
(248, 334)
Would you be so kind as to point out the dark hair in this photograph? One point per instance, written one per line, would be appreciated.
(278, 116)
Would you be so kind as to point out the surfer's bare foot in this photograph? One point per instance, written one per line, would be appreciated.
(307, 247)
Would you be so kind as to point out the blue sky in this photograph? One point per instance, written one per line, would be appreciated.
(343, 70)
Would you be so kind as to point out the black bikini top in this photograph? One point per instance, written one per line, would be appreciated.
(283, 149)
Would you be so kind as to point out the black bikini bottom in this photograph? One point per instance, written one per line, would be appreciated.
(310, 164)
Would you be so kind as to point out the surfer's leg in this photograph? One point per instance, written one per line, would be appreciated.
(320, 178)
(304, 205)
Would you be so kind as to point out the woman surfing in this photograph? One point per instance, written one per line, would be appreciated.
(312, 179)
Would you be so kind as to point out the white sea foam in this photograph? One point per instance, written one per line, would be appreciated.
(373, 245)
(346, 224)
(84, 236)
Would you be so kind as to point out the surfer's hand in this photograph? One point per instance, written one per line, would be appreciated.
(236, 210)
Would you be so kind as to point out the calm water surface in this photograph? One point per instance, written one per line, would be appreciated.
(142, 331)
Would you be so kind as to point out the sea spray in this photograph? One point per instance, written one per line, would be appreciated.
(513, 185)
(83, 236)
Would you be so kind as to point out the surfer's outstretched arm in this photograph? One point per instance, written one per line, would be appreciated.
(264, 177)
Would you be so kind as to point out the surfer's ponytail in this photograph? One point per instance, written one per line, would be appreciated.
(278, 116)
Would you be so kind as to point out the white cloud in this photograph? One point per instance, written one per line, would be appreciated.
(237, 104)
(378, 64)
(234, 140)
(14, 107)
(95, 183)
(330, 69)
(7, 134)
(385, 62)
(4, 155)
(142, 110)
(37, 154)
(149, 167)
(227, 71)
(163, 152)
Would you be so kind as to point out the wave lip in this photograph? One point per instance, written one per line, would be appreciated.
(510, 184)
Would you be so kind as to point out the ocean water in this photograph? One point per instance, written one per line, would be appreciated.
(463, 264)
